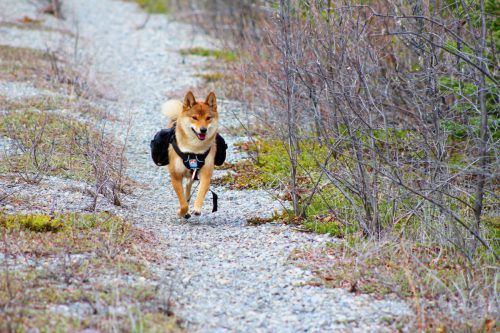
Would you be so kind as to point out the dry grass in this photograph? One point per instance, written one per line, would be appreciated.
(49, 142)
(58, 143)
(27, 23)
(97, 260)
(74, 105)
(43, 69)
(447, 293)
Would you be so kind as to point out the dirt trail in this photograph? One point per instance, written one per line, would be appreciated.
(226, 276)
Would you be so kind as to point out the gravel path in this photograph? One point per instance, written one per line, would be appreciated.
(226, 276)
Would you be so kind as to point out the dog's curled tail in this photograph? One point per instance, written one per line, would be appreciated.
(172, 109)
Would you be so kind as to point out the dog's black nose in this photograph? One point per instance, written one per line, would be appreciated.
(203, 130)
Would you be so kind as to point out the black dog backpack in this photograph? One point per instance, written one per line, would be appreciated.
(159, 146)
(220, 154)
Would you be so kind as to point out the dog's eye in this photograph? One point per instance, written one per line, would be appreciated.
(208, 118)
(194, 118)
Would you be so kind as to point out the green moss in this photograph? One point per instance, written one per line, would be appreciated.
(153, 6)
(217, 54)
(37, 223)
(334, 229)
(103, 222)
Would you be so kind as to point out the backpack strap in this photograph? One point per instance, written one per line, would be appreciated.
(191, 161)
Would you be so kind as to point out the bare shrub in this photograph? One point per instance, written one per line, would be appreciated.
(397, 105)
(34, 148)
(337, 76)
(107, 162)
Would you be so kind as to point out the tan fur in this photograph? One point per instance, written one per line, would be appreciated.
(182, 114)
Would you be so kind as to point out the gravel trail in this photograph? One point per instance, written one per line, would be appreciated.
(226, 276)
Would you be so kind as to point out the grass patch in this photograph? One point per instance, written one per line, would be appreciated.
(270, 168)
(59, 141)
(228, 56)
(42, 69)
(153, 6)
(92, 263)
(51, 144)
(52, 103)
(76, 233)
(328, 224)
(246, 175)
(27, 23)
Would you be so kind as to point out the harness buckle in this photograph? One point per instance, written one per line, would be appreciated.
(193, 163)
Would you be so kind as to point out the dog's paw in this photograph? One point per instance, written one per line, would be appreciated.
(196, 212)
(183, 213)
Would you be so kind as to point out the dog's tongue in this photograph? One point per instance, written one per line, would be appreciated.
(201, 136)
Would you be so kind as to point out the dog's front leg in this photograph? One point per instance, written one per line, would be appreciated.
(187, 189)
(205, 176)
(177, 184)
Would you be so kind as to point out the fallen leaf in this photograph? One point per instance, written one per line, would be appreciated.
(26, 19)
(489, 324)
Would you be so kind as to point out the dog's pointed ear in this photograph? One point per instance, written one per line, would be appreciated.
(189, 100)
(211, 101)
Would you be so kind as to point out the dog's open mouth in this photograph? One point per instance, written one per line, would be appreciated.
(201, 136)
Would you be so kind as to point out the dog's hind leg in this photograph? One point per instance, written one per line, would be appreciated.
(177, 185)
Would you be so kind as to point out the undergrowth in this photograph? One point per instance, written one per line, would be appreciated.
(56, 257)
(73, 105)
(55, 139)
(43, 69)
(433, 278)
(325, 208)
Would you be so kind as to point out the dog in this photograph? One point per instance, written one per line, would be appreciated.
(196, 124)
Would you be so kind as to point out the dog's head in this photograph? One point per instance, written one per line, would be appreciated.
(199, 119)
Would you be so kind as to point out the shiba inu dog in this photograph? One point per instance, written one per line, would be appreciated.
(193, 151)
